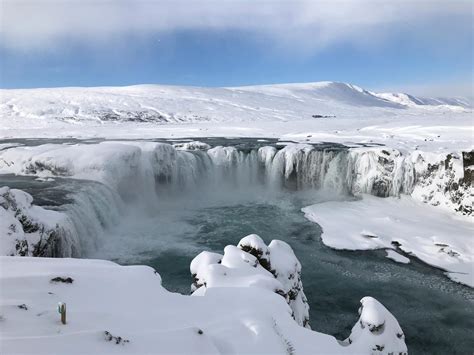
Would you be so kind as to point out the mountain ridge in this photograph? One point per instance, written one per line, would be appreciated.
(179, 104)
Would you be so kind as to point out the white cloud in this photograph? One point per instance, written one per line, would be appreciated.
(40, 24)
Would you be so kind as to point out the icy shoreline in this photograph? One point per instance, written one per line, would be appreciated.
(437, 238)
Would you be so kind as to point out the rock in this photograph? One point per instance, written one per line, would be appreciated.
(195, 145)
(29, 230)
(468, 165)
(254, 264)
(66, 280)
(377, 329)
(117, 340)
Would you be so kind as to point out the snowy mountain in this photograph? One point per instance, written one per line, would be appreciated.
(177, 104)
(413, 101)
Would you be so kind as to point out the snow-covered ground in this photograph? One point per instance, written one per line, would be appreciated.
(282, 111)
(437, 238)
(125, 310)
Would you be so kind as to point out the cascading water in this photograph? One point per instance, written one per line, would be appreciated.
(138, 175)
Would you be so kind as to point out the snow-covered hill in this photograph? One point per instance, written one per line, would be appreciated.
(175, 104)
(309, 112)
(413, 101)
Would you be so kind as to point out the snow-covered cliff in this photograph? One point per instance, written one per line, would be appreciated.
(435, 178)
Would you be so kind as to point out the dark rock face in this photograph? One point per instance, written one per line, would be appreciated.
(468, 165)
(37, 167)
(381, 187)
(132, 116)
(262, 256)
(66, 280)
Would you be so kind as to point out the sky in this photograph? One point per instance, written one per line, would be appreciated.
(420, 46)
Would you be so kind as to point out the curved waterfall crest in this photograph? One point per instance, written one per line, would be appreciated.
(136, 174)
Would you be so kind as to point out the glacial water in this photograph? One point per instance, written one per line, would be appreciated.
(436, 314)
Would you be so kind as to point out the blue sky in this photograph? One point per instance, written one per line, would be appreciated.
(380, 45)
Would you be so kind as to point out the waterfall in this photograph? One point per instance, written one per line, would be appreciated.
(138, 174)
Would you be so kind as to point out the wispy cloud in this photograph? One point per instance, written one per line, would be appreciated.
(311, 24)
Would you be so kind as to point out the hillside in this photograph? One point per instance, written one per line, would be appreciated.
(176, 104)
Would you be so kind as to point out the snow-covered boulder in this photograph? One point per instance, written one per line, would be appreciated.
(29, 230)
(254, 264)
(287, 269)
(376, 329)
(199, 267)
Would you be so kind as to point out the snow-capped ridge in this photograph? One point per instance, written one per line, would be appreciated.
(416, 101)
(329, 91)
(186, 104)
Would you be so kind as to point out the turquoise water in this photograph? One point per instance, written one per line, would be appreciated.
(436, 314)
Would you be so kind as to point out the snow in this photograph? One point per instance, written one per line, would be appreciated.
(79, 161)
(194, 145)
(247, 299)
(437, 238)
(412, 101)
(30, 230)
(391, 254)
(281, 111)
(253, 264)
(124, 309)
(376, 319)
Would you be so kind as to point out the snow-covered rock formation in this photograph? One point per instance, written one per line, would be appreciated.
(377, 327)
(29, 230)
(254, 264)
